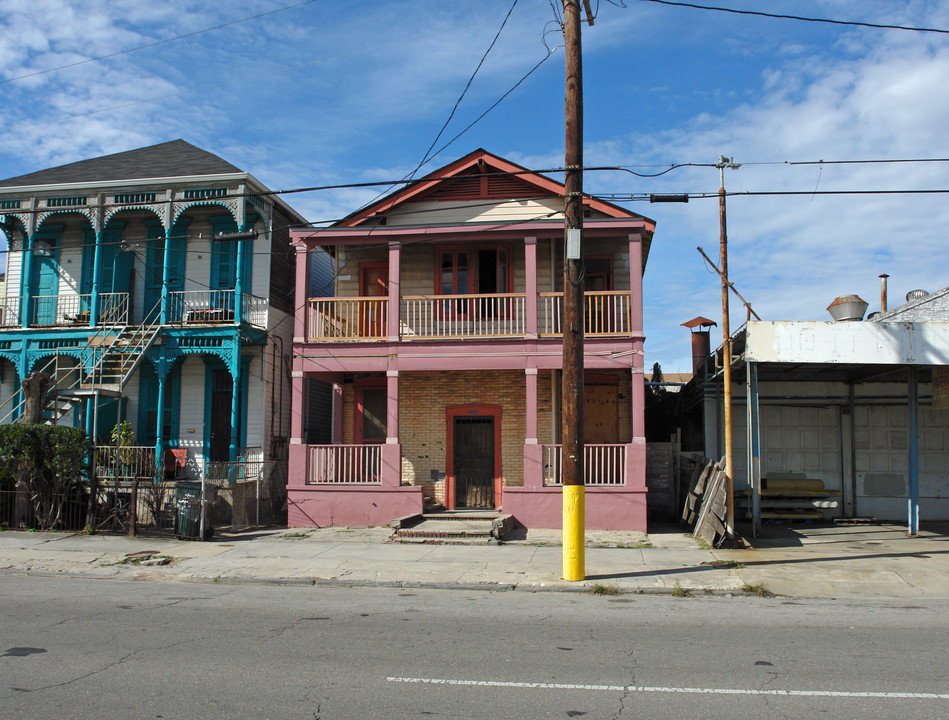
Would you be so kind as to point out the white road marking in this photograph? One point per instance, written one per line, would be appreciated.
(659, 689)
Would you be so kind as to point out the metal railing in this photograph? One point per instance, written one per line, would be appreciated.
(55, 310)
(201, 306)
(603, 465)
(456, 316)
(344, 465)
(355, 318)
(605, 313)
(10, 312)
(254, 310)
(125, 463)
(245, 467)
(113, 309)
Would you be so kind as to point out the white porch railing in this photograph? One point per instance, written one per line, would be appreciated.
(605, 313)
(125, 463)
(455, 316)
(201, 306)
(351, 318)
(53, 310)
(603, 465)
(345, 465)
(9, 312)
(254, 310)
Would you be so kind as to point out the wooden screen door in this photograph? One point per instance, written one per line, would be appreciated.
(373, 282)
(473, 462)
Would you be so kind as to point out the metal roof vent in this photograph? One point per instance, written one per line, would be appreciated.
(847, 308)
(915, 295)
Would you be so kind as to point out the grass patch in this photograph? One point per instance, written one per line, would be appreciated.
(679, 591)
(599, 589)
(701, 542)
(758, 590)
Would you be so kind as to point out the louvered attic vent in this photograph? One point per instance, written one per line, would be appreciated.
(482, 187)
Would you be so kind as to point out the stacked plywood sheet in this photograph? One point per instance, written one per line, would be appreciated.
(705, 504)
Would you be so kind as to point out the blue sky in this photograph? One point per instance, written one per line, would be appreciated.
(332, 92)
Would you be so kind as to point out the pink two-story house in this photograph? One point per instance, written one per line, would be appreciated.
(441, 343)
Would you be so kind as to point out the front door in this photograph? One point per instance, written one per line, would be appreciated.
(473, 462)
(220, 445)
(373, 283)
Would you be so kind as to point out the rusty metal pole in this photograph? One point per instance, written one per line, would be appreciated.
(573, 315)
(883, 293)
(724, 162)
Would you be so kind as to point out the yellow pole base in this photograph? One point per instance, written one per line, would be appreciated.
(573, 540)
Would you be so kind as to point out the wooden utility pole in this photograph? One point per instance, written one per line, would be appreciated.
(573, 315)
(724, 162)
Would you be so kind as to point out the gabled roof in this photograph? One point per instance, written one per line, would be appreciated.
(477, 175)
(176, 158)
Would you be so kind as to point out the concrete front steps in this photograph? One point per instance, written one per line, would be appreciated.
(454, 527)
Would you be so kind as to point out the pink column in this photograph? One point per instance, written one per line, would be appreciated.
(533, 452)
(530, 376)
(338, 413)
(639, 400)
(636, 284)
(392, 450)
(392, 407)
(297, 404)
(394, 309)
(300, 304)
(530, 270)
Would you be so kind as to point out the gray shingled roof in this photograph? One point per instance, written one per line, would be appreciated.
(170, 159)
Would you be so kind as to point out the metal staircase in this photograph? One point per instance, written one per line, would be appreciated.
(106, 363)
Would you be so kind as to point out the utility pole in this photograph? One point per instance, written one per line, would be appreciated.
(726, 162)
(573, 315)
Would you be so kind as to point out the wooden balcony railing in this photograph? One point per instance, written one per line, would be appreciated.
(345, 465)
(55, 310)
(355, 318)
(469, 316)
(496, 315)
(605, 313)
(603, 465)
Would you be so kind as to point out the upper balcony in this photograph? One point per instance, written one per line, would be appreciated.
(459, 317)
(189, 308)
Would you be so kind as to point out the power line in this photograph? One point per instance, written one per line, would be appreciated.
(852, 23)
(155, 44)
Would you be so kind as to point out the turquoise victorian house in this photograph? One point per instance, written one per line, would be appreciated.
(155, 286)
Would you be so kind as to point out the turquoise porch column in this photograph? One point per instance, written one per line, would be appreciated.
(235, 406)
(239, 278)
(160, 422)
(165, 278)
(26, 275)
(96, 272)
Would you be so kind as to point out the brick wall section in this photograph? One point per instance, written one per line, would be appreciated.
(423, 398)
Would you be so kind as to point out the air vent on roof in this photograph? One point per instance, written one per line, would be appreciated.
(915, 295)
(847, 308)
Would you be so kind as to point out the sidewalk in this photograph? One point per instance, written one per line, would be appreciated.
(870, 561)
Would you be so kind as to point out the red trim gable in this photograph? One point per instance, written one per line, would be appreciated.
(471, 178)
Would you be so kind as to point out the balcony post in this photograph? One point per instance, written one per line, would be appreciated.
(530, 270)
(239, 277)
(25, 281)
(301, 305)
(394, 311)
(635, 284)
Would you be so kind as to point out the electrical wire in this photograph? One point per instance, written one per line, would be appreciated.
(156, 43)
(778, 16)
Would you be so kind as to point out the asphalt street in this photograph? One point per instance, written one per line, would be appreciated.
(73, 647)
